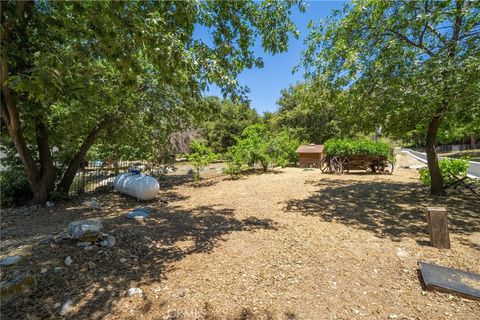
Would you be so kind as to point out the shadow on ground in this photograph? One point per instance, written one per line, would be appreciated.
(387, 209)
(97, 279)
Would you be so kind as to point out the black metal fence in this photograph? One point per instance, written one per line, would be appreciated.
(94, 176)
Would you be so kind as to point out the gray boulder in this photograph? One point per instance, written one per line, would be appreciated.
(8, 261)
(108, 242)
(136, 214)
(85, 230)
(135, 292)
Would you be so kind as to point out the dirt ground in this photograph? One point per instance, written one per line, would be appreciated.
(289, 244)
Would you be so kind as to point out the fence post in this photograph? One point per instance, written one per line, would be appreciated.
(438, 228)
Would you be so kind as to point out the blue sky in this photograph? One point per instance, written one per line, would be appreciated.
(266, 83)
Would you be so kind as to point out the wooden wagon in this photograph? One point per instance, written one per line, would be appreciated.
(343, 164)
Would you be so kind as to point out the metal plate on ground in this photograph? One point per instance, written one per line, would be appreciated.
(450, 280)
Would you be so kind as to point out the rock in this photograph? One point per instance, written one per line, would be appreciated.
(84, 244)
(89, 248)
(49, 204)
(123, 260)
(57, 269)
(34, 207)
(144, 209)
(68, 261)
(18, 285)
(57, 305)
(401, 253)
(43, 270)
(47, 240)
(11, 260)
(109, 242)
(85, 230)
(94, 204)
(67, 307)
(135, 292)
(138, 215)
(91, 265)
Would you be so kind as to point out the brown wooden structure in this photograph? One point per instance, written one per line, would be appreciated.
(310, 156)
(438, 228)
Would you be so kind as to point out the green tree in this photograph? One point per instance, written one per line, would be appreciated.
(74, 71)
(284, 147)
(309, 111)
(226, 122)
(255, 143)
(235, 160)
(200, 156)
(402, 64)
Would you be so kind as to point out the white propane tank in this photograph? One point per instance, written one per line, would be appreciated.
(138, 186)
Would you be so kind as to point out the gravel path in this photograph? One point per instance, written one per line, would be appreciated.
(290, 244)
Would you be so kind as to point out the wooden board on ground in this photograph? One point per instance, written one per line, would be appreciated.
(450, 280)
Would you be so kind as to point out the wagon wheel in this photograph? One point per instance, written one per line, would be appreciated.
(345, 165)
(325, 165)
(389, 167)
(370, 168)
(337, 166)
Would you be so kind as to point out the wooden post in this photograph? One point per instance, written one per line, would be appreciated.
(438, 228)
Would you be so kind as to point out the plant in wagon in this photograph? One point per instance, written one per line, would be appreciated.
(200, 156)
(350, 154)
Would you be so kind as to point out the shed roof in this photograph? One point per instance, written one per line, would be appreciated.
(310, 148)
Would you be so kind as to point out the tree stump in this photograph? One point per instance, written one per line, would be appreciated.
(438, 228)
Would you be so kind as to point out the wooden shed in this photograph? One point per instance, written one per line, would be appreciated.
(310, 155)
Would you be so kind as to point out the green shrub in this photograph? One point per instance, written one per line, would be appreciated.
(449, 168)
(284, 148)
(348, 147)
(235, 160)
(233, 170)
(259, 146)
(255, 146)
(14, 187)
(200, 156)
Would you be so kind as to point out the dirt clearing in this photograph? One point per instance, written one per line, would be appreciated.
(289, 244)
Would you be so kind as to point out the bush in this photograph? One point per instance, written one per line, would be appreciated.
(200, 156)
(449, 168)
(235, 160)
(14, 187)
(284, 149)
(348, 147)
(254, 145)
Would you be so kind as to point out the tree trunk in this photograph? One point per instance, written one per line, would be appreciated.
(41, 179)
(436, 187)
(69, 175)
(473, 143)
(47, 171)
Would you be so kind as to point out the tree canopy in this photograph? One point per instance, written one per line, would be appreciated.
(225, 122)
(310, 111)
(404, 65)
(75, 71)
